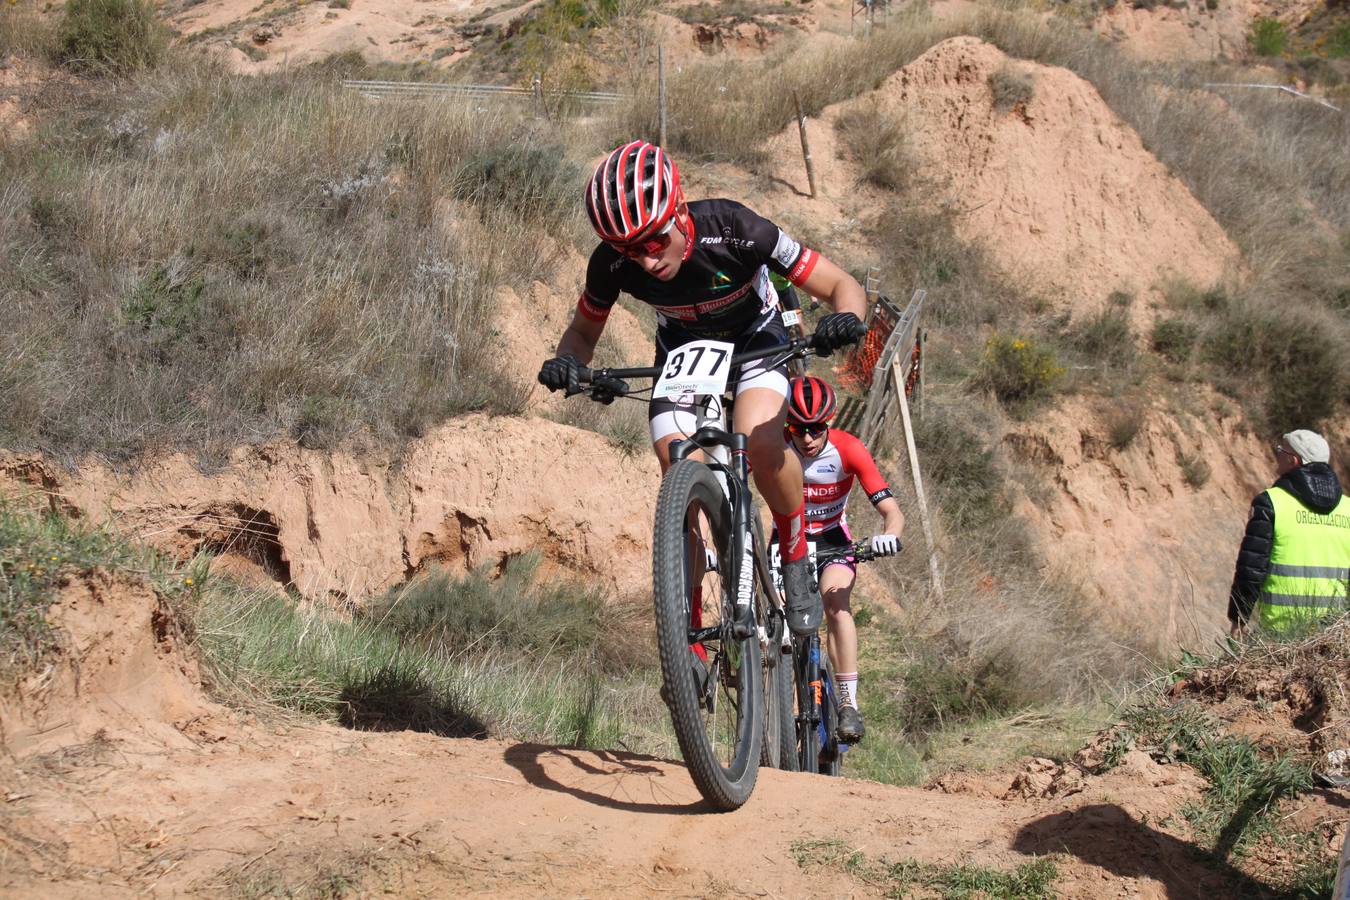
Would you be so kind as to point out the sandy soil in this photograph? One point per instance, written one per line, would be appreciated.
(132, 783)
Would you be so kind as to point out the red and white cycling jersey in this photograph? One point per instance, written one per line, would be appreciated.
(829, 478)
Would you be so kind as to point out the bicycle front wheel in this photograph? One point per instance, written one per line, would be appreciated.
(712, 680)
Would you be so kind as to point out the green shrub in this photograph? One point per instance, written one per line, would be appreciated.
(1300, 362)
(407, 671)
(878, 143)
(1268, 37)
(1017, 370)
(1123, 424)
(963, 467)
(537, 183)
(517, 610)
(1105, 337)
(1011, 87)
(1338, 41)
(1194, 470)
(111, 36)
(1175, 339)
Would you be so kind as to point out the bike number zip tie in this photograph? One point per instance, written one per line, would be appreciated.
(699, 367)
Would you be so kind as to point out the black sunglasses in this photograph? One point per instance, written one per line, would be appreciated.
(804, 430)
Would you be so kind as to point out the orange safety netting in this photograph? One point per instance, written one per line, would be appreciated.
(855, 372)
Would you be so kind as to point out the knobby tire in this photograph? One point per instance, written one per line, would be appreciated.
(688, 488)
(832, 756)
(808, 741)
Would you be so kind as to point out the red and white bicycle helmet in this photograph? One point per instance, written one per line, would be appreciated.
(633, 193)
(810, 401)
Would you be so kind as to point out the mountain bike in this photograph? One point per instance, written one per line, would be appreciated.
(719, 618)
(815, 745)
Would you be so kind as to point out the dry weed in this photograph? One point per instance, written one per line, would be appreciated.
(222, 258)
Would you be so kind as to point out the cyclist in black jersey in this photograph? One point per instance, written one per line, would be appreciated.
(704, 267)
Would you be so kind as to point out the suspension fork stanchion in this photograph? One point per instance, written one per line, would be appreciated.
(742, 541)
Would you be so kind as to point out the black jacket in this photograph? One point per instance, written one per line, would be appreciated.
(1316, 487)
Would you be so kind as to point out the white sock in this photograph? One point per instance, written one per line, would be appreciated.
(848, 689)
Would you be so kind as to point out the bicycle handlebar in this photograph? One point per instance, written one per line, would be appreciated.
(860, 550)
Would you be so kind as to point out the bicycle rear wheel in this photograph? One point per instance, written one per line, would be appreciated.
(712, 682)
(831, 751)
(780, 739)
(807, 720)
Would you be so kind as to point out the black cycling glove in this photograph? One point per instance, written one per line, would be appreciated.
(560, 373)
(837, 330)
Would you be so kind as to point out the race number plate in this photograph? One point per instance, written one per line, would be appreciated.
(791, 317)
(699, 367)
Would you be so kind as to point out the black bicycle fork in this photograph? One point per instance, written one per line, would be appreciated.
(739, 569)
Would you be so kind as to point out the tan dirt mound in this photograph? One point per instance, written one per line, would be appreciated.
(477, 491)
(1293, 697)
(1156, 548)
(122, 672)
(1057, 188)
(1195, 31)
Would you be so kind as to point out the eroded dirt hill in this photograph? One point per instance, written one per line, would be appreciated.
(474, 492)
(1068, 203)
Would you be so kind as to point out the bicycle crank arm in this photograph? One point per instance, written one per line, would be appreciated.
(699, 635)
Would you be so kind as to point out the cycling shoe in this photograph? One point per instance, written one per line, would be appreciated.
(804, 609)
(850, 729)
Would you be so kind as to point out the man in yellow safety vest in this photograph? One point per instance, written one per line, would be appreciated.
(1294, 564)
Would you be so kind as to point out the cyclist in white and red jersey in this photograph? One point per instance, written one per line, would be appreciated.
(704, 267)
(831, 460)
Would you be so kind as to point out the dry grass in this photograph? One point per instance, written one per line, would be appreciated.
(723, 109)
(202, 259)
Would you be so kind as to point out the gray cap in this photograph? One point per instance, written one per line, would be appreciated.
(1309, 445)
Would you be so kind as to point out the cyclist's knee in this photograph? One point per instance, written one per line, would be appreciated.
(836, 601)
(765, 443)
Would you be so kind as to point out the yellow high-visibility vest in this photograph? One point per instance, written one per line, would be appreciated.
(1309, 563)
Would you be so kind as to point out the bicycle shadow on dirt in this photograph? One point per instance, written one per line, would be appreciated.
(1107, 836)
(618, 773)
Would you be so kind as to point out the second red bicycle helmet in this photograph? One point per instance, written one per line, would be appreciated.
(810, 401)
(633, 193)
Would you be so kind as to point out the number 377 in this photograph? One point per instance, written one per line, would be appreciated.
(685, 363)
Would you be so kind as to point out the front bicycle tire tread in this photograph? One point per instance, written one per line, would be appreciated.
(686, 481)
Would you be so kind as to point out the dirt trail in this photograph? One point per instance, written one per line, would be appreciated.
(119, 774)
(409, 812)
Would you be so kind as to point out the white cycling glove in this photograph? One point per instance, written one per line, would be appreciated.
(885, 544)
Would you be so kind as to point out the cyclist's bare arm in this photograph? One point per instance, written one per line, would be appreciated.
(893, 520)
(837, 288)
(581, 337)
